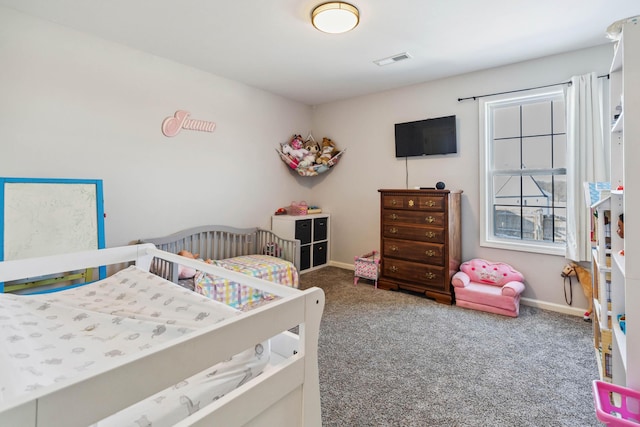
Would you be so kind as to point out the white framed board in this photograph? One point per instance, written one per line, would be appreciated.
(42, 216)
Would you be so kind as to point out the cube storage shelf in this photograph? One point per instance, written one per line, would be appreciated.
(312, 231)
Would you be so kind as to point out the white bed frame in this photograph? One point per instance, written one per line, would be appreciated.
(285, 394)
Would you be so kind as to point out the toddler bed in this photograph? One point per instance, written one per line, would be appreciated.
(252, 251)
(93, 355)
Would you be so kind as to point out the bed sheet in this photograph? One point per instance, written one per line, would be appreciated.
(49, 338)
(241, 296)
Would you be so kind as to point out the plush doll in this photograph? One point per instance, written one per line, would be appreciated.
(296, 142)
(183, 271)
(291, 161)
(188, 272)
(328, 151)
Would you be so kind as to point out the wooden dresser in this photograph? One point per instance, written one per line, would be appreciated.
(420, 241)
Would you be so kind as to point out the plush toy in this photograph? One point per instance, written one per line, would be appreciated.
(296, 142)
(188, 272)
(183, 271)
(328, 151)
(294, 153)
(313, 147)
(307, 161)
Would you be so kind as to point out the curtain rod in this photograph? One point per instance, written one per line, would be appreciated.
(520, 90)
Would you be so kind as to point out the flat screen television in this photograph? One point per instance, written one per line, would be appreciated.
(426, 137)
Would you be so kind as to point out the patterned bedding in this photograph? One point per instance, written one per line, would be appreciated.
(54, 337)
(240, 296)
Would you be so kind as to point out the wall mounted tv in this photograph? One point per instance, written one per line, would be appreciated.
(426, 137)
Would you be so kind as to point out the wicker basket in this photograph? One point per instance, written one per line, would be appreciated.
(296, 208)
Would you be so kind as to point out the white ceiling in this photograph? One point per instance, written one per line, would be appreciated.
(271, 44)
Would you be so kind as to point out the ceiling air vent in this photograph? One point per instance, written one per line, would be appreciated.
(393, 59)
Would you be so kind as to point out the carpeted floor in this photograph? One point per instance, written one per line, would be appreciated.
(397, 359)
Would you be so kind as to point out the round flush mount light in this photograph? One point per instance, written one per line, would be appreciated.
(335, 17)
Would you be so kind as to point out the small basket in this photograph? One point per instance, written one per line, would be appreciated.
(298, 208)
(626, 413)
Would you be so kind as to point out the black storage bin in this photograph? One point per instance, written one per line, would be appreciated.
(303, 231)
(320, 229)
(305, 257)
(319, 254)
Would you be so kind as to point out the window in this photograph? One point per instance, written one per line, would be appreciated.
(523, 172)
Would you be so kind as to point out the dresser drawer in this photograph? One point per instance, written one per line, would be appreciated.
(391, 201)
(422, 274)
(428, 253)
(434, 219)
(419, 234)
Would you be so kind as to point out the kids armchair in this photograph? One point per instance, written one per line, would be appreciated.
(488, 286)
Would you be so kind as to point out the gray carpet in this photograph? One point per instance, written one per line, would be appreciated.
(397, 359)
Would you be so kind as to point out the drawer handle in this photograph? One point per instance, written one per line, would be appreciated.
(394, 216)
(394, 248)
(394, 269)
(431, 203)
(394, 202)
(430, 275)
(411, 203)
(430, 234)
(430, 252)
(429, 219)
(393, 230)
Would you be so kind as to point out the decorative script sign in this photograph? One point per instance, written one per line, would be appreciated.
(171, 126)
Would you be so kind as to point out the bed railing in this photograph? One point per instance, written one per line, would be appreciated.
(290, 388)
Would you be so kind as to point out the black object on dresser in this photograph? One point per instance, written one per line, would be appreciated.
(420, 241)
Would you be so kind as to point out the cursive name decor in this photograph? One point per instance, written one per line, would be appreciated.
(171, 126)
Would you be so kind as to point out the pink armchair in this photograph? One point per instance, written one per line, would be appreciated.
(488, 286)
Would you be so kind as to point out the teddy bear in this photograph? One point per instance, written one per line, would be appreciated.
(328, 151)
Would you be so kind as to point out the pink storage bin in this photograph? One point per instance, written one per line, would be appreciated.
(627, 414)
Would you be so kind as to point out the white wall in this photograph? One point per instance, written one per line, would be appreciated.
(74, 106)
(364, 126)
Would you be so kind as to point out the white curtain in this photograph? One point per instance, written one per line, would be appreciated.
(586, 158)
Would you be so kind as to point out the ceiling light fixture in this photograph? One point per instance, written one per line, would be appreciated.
(335, 17)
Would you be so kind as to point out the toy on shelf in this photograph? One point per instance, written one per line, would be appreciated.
(621, 230)
(622, 321)
(298, 208)
(308, 158)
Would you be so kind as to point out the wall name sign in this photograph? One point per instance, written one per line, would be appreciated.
(171, 126)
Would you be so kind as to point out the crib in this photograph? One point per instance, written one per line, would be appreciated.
(253, 251)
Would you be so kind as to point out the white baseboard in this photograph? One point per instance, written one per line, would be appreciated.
(341, 265)
(573, 311)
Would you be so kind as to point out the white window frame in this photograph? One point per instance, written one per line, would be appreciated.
(487, 236)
